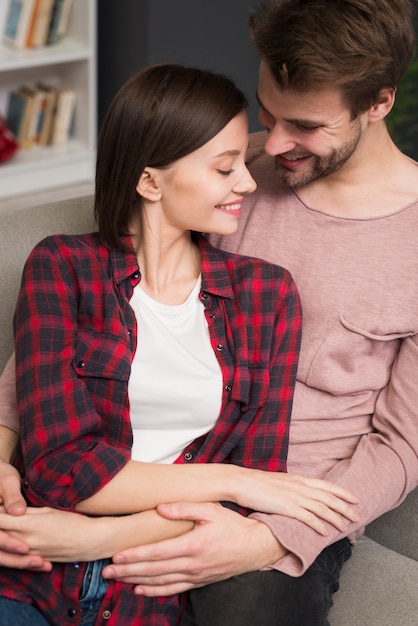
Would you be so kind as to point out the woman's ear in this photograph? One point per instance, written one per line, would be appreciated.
(147, 186)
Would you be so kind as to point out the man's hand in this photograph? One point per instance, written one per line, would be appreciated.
(221, 544)
(10, 494)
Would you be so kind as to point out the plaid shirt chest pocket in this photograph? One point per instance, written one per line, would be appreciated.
(99, 355)
(251, 386)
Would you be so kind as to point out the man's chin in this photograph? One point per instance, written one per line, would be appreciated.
(293, 179)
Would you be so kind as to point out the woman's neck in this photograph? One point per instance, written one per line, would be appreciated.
(169, 264)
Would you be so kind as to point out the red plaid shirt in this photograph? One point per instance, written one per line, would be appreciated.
(76, 335)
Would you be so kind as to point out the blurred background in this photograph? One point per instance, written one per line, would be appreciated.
(214, 35)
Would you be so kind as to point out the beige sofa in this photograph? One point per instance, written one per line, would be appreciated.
(379, 584)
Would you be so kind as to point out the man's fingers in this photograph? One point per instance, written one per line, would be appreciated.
(14, 505)
(165, 550)
(169, 548)
(163, 590)
(194, 511)
(147, 571)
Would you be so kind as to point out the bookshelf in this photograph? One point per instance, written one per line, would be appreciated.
(71, 62)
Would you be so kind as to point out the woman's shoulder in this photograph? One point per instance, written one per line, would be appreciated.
(62, 243)
(70, 250)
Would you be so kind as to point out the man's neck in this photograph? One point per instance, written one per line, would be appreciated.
(376, 181)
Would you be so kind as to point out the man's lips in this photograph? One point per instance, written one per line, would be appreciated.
(292, 164)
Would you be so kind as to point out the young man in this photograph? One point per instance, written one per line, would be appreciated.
(337, 204)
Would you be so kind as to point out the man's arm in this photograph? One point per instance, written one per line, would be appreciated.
(381, 472)
(10, 494)
(8, 406)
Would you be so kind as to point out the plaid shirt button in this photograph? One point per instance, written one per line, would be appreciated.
(106, 614)
(188, 456)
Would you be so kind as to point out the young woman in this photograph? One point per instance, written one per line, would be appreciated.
(152, 367)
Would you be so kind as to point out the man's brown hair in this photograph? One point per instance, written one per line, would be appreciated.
(359, 46)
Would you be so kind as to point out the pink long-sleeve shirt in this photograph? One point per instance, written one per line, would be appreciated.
(355, 412)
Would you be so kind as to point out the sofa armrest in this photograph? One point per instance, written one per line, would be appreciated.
(398, 529)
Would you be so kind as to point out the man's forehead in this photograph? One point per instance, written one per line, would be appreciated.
(307, 105)
(268, 87)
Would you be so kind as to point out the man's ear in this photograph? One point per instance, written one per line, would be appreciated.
(147, 186)
(383, 105)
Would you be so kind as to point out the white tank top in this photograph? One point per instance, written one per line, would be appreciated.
(175, 387)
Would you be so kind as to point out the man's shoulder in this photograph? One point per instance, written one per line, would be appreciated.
(243, 266)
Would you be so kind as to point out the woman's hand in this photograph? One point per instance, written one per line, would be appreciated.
(309, 500)
(53, 534)
(63, 536)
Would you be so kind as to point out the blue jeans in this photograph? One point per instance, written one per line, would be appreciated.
(92, 592)
(94, 587)
(14, 613)
(271, 598)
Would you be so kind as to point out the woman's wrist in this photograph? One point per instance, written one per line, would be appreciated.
(233, 484)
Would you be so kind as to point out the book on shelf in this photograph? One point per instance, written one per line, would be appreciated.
(15, 113)
(64, 113)
(38, 33)
(47, 114)
(41, 115)
(19, 115)
(32, 111)
(31, 25)
(18, 22)
(59, 20)
(35, 23)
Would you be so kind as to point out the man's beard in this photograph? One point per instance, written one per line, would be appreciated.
(321, 166)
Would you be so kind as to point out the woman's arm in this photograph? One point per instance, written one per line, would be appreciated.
(141, 486)
(62, 536)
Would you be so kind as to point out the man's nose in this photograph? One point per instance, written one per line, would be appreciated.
(279, 141)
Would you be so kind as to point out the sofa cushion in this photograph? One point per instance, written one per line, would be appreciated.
(379, 587)
(20, 231)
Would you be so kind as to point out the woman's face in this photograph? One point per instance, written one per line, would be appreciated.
(203, 191)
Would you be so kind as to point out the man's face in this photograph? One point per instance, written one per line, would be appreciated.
(310, 134)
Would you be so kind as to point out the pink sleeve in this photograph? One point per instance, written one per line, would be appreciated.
(381, 472)
(8, 407)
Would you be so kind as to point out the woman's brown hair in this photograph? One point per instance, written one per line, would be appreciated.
(161, 114)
